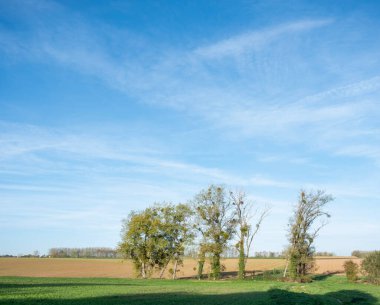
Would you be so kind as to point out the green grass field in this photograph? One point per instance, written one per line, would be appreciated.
(66, 291)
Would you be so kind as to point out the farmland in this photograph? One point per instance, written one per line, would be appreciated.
(116, 268)
(332, 290)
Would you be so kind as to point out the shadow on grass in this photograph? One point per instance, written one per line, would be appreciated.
(223, 276)
(271, 297)
(226, 275)
(322, 277)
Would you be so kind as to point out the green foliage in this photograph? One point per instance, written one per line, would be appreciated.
(201, 260)
(302, 233)
(201, 263)
(155, 236)
(215, 221)
(139, 240)
(371, 265)
(270, 275)
(352, 270)
(242, 215)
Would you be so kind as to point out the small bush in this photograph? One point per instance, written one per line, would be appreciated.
(352, 270)
(270, 275)
(371, 265)
(305, 279)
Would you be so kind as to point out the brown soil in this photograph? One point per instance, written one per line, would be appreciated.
(116, 268)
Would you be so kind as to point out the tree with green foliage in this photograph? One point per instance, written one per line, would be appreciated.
(245, 231)
(139, 240)
(155, 236)
(371, 266)
(215, 220)
(176, 231)
(201, 258)
(304, 230)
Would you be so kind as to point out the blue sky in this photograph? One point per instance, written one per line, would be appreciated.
(109, 106)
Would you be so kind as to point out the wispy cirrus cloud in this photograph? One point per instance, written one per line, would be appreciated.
(163, 79)
(254, 40)
(45, 145)
(112, 166)
(358, 88)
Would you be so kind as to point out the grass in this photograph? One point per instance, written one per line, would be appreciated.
(76, 291)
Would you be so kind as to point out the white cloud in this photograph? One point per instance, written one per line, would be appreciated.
(165, 82)
(25, 142)
(351, 90)
(251, 41)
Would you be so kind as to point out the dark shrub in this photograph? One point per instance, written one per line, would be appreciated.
(352, 270)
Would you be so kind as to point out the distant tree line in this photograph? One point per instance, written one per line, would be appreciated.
(35, 254)
(230, 251)
(83, 253)
(269, 254)
(324, 253)
(361, 254)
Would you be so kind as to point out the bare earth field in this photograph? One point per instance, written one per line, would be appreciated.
(116, 268)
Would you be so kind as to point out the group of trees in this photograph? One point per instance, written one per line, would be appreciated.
(83, 253)
(157, 236)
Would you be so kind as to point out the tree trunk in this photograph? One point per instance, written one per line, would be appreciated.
(216, 266)
(201, 262)
(241, 273)
(163, 270)
(175, 269)
(286, 267)
(143, 271)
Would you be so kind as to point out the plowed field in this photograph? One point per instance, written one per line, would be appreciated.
(116, 268)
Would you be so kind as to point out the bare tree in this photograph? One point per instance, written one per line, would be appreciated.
(304, 230)
(246, 232)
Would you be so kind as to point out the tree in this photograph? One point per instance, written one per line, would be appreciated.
(155, 237)
(246, 232)
(303, 231)
(216, 223)
(139, 240)
(177, 232)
